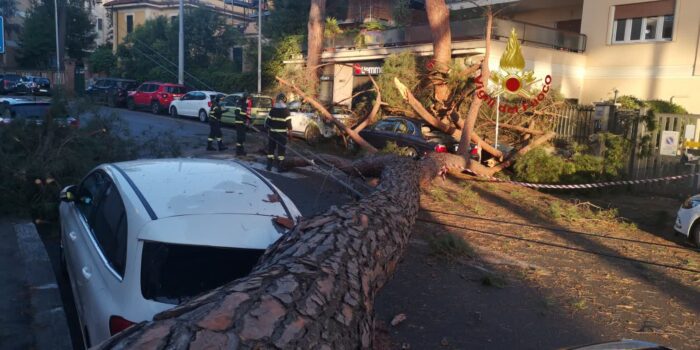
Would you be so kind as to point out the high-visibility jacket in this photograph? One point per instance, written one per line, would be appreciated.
(216, 112)
(279, 120)
(243, 112)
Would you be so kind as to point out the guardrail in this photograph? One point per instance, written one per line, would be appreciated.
(472, 29)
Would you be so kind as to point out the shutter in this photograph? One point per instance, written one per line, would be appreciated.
(645, 9)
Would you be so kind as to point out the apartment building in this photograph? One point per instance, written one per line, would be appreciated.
(126, 15)
(590, 48)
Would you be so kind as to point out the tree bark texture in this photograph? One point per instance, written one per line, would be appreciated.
(329, 117)
(315, 287)
(439, 21)
(473, 112)
(317, 17)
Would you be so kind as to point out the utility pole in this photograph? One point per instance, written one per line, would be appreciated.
(259, 45)
(58, 52)
(181, 45)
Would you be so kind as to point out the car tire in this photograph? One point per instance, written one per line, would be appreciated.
(203, 116)
(173, 112)
(695, 234)
(312, 135)
(130, 104)
(155, 107)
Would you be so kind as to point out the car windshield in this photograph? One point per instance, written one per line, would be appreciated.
(174, 273)
(262, 102)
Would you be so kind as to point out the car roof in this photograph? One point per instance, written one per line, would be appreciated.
(17, 100)
(208, 92)
(181, 186)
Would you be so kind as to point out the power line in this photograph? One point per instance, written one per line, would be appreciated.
(561, 246)
(172, 63)
(552, 228)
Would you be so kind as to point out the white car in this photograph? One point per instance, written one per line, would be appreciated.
(140, 237)
(308, 124)
(194, 104)
(687, 222)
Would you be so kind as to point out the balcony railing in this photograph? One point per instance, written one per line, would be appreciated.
(472, 29)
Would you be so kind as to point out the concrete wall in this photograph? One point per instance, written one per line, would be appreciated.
(648, 70)
(549, 17)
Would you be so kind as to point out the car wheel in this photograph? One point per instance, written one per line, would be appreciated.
(312, 134)
(695, 234)
(203, 116)
(155, 107)
(173, 112)
(130, 104)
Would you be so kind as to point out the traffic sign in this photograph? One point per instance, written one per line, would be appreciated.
(2, 35)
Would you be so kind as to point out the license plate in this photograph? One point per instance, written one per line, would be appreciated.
(43, 90)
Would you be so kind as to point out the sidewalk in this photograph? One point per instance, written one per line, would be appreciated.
(31, 311)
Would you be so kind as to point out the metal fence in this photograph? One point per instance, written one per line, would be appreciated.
(574, 123)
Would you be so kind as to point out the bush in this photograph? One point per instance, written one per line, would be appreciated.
(402, 66)
(538, 166)
(661, 106)
(37, 161)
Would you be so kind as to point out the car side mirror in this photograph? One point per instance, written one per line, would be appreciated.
(68, 194)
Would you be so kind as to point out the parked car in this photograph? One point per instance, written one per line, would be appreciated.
(140, 237)
(31, 85)
(194, 104)
(259, 111)
(155, 96)
(111, 91)
(687, 222)
(306, 123)
(417, 136)
(9, 83)
(31, 112)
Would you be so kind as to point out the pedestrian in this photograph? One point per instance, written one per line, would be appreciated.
(215, 125)
(242, 123)
(279, 129)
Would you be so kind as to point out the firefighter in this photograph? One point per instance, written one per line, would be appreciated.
(242, 123)
(215, 125)
(279, 129)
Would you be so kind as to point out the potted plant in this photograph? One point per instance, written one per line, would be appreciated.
(369, 34)
(331, 31)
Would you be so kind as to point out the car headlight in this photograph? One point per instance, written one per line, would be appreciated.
(691, 202)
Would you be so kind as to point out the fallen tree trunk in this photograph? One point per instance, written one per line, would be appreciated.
(509, 161)
(519, 129)
(313, 289)
(329, 117)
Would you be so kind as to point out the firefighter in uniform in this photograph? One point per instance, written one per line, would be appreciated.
(242, 122)
(215, 125)
(279, 129)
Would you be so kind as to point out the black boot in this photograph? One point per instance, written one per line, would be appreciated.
(240, 151)
(210, 146)
(279, 166)
(268, 167)
(221, 146)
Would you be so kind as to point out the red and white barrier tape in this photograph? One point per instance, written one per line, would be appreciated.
(585, 186)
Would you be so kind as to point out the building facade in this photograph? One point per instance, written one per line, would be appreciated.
(591, 48)
(126, 15)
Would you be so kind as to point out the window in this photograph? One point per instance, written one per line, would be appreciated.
(152, 88)
(129, 23)
(231, 100)
(385, 125)
(262, 102)
(186, 97)
(109, 227)
(89, 194)
(172, 273)
(647, 21)
(99, 24)
(143, 88)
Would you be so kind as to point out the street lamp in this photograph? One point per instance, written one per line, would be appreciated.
(58, 53)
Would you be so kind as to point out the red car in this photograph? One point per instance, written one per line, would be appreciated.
(154, 96)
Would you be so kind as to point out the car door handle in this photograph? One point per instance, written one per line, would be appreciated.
(73, 236)
(86, 273)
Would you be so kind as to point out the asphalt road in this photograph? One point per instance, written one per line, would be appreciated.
(311, 190)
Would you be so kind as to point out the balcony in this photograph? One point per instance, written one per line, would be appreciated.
(472, 29)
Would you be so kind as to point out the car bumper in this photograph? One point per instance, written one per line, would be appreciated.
(684, 220)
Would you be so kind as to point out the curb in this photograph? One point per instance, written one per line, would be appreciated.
(48, 319)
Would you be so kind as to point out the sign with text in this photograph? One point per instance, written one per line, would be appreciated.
(669, 143)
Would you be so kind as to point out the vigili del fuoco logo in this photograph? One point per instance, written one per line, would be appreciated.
(512, 80)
